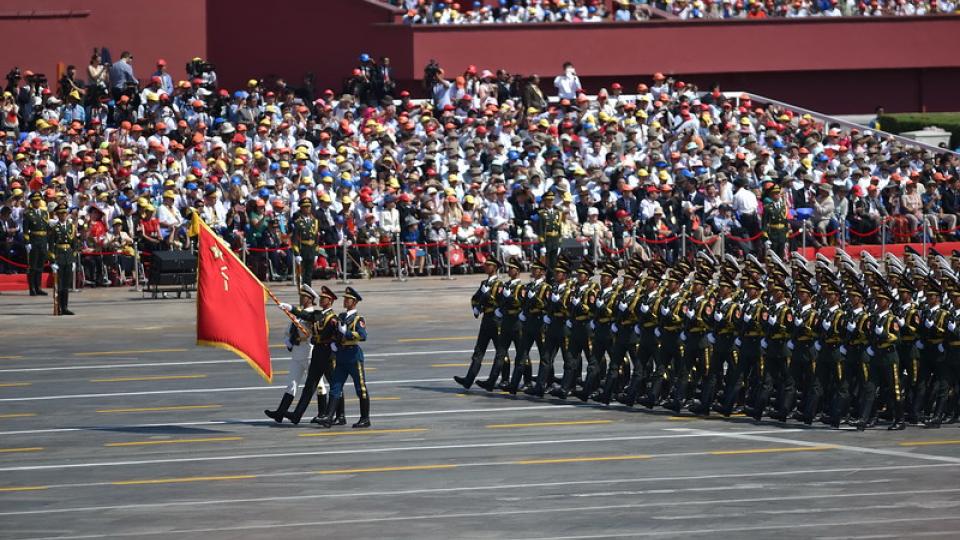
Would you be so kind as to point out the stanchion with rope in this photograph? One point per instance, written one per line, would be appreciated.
(923, 234)
(343, 264)
(400, 272)
(883, 238)
(596, 248)
(137, 286)
(683, 243)
(449, 276)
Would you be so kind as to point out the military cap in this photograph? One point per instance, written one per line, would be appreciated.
(725, 281)
(549, 195)
(62, 209)
(855, 291)
(672, 276)
(630, 273)
(325, 292)
(306, 290)
(609, 270)
(350, 292)
(306, 202)
(882, 293)
(514, 263)
(493, 261)
(561, 267)
(35, 196)
(538, 265)
(933, 286)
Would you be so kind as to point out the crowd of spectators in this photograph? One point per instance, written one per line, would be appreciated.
(559, 11)
(132, 159)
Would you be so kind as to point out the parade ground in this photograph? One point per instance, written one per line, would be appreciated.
(113, 423)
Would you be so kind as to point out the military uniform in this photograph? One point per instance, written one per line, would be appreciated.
(697, 348)
(748, 367)
(534, 297)
(36, 225)
(775, 223)
(602, 314)
(578, 332)
(646, 353)
(323, 334)
(509, 303)
(64, 244)
(304, 232)
(554, 331)
(927, 385)
(548, 228)
(853, 369)
(351, 331)
(724, 329)
(884, 372)
(484, 303)
(776, 362)
(803, 363)
(671, 350)
(625, 340)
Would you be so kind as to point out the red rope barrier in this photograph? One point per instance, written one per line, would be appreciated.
(13, 263)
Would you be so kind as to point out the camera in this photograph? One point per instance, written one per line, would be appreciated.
(197, 68)
(13, 77)
(432, 71)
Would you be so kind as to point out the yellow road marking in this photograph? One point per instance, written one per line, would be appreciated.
(10, 357)
(771, 450)
(13, 384)
(691, 418)
(132, 351)
(549, 424)
(447, 338)
(23, 488)
(18, 415)
(184, 479)
(174, 441)
(284, 372)
(156, 409)
(150, 378)
(579, 460)
(363, 432)
(388, 469)
(928, 443)
(25, 449)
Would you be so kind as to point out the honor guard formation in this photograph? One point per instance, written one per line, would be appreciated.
(825, 341)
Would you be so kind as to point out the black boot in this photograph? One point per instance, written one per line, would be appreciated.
(327, 420)
(30, 283)
(341, 419)
(321, 409)
(364, 421)
(278, 414)
(301, 408)
(38, 283)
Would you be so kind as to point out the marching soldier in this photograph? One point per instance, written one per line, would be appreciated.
(36, 224)
(64, 243)
(934, 324)
(696, 342)
(509, 301)
(668, 329)
(829, 356)
(534, 297)
(624, 339)
(645, 355)
(748, 367)
(303, 239)
(854, 350)
(803, 363)
(776, 371)
(908, 316)
(548, 228)
(484, 303)
(579, 335)
(602, 311)
(724, 323)
(554, 328)
(323, 325)
(884, 363)
(351, 331)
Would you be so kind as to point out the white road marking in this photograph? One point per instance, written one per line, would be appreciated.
(204, 362)
(354, 451)
(494, 487)
(845, 447)
(575, 510)
(197, 391)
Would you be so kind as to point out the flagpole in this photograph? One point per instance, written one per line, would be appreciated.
(266, 289)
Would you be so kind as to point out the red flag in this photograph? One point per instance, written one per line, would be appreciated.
(230, 303)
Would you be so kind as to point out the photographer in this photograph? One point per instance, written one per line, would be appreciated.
(69, 82)
(205, 71)
(121, 75)
(98, 74)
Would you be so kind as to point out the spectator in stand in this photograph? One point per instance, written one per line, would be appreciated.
(121, 75)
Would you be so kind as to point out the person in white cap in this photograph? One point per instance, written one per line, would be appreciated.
(301, 348)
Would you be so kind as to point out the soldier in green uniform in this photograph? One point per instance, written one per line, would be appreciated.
(639, 340)
(803, 364)
(534, 298)
(303, 239)
(484, 304)
(748, 368)
(548, 230)
(64, 243)
(908, 315)
(829, 359)
(578, 332)
(724, 329)
(508, 312)
(775, 224)
(669, 317)
(884, 363)
(852, 370)
(554, 327)
(935, 319)
(697, 350)
(36, 224)
(623, 338)
(602, 311)
(776, 362)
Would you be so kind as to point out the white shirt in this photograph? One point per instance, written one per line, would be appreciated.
(567, 86)
(745, 202)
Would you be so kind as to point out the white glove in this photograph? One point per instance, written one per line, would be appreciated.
(29, 247)
(843, 350)
(737, 342)
(546, 319)
(763, 343)
(52, 222)
(498, 313)
(622, 306)
(637, 330)
(711, 338)
(940, 347)
(691, 313)
(614, 328)
(747, 317)
(593, 325)
(531, 293)
(543, 251)
(790, 345)
(505, 292)
(919, 345)
(851, 326)
(717, 316)
(664, 310)
(575, 301)
(771, 319)
(825, 324)
(485, 289)
(656, 332)
(284, 307)
(333, 347)
(928, 323)
(56, 267)
(342, 329)
(951, 326)
(878, 330)
(554, 297)
(569, 323)
(870, 351)
(798, 322)
(683, 336)
(476, 313)
(299, 259)
(817, 346)
(644, 308)
(901, 322)
(522, 317)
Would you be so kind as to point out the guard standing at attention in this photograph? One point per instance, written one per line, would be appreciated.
(36, 223)
(64, 241)
(484, 303)
(775, 223)
(303, 239)
(548, 228)
(351, 330)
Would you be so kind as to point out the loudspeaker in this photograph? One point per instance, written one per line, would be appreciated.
(174, 262)
(573, 251)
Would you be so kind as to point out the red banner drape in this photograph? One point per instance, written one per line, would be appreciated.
(230, 304)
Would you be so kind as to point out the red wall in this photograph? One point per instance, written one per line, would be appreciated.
(36, 38)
